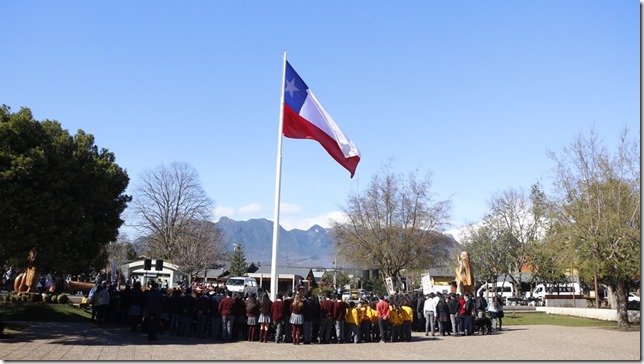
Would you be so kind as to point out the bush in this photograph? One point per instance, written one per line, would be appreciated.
(62, 298)
(54, 298)
(7, 297)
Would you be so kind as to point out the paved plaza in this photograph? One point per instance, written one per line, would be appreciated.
(89, 342)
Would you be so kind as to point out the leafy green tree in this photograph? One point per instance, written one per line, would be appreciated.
(59, 193)
(490, 252)
(600, 210)
(238, 265)
(341, 278)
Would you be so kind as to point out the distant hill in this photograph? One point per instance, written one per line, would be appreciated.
(298, 248)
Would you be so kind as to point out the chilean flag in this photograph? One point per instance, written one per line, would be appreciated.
(304, 118)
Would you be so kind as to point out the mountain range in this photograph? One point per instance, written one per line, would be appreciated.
(312, 248)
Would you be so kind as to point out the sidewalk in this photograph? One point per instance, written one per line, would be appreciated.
(85, 342)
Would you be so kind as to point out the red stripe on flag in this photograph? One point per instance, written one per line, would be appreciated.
(297, 127)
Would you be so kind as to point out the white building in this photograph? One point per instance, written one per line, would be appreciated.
(169, 276)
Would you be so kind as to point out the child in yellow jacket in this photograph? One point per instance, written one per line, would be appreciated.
(353, 321)
(395, 320)
(373, 317)
(408, 318)
(365, 321)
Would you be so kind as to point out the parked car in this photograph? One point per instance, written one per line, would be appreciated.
(633, 301)
(244, 285)
(503, 289)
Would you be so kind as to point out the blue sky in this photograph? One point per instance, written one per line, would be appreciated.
(475, 92)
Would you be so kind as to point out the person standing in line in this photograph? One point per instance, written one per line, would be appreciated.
(125, 304)
(373, 317)
(252, 311)
(136, 306)
(481, 305)
(277, 314)
(307, 316)
(430, 313)
(288, 330)
(382, 307)
(442, 314)
(264, 317)
(469, 309)
(215, 316)
(189, 304)
(419, 323)
(499, 310)
(176, 312)
(461, 312)
(317, 317)
(365, 320)
(240, 320)
(226, 307)
(339, 318)
(395, 321)
(454, 308)
(202, 307)
(491, 310)
(353, 322)
(153, 305)
(102, 302)
(408, 319)
(326, 319)
(296, 319)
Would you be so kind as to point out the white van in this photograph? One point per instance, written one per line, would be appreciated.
(559, 289)
(242, 284)
(503, 289)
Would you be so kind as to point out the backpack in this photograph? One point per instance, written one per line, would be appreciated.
(482, 304)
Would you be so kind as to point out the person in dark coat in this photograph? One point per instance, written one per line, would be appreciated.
(326, 319)
(153, 299)
(277, 315)
(226, 308)
(419, 324)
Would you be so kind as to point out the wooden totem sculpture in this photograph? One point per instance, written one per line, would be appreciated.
(27, 281)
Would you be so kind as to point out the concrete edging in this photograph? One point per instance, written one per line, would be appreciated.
(605, 314)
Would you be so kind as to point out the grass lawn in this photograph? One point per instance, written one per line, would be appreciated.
(542, 318)
(42, 311)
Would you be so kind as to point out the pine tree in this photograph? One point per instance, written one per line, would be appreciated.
(238, 265)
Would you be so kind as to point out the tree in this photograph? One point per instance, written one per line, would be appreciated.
(198, 247)
(238, 265)
(168, 201)
(393, 225)
(59, 193)
(517, 223)
(119, 252)
(600, 216)
(340, 278)
(490, 252)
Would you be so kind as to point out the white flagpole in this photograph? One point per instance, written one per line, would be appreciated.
(278, 181)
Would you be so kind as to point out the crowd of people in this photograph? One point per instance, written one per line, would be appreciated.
(300, 318)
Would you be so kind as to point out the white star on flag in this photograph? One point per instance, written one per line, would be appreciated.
(290, 87)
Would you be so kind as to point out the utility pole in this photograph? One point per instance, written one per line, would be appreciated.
(335, 271)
